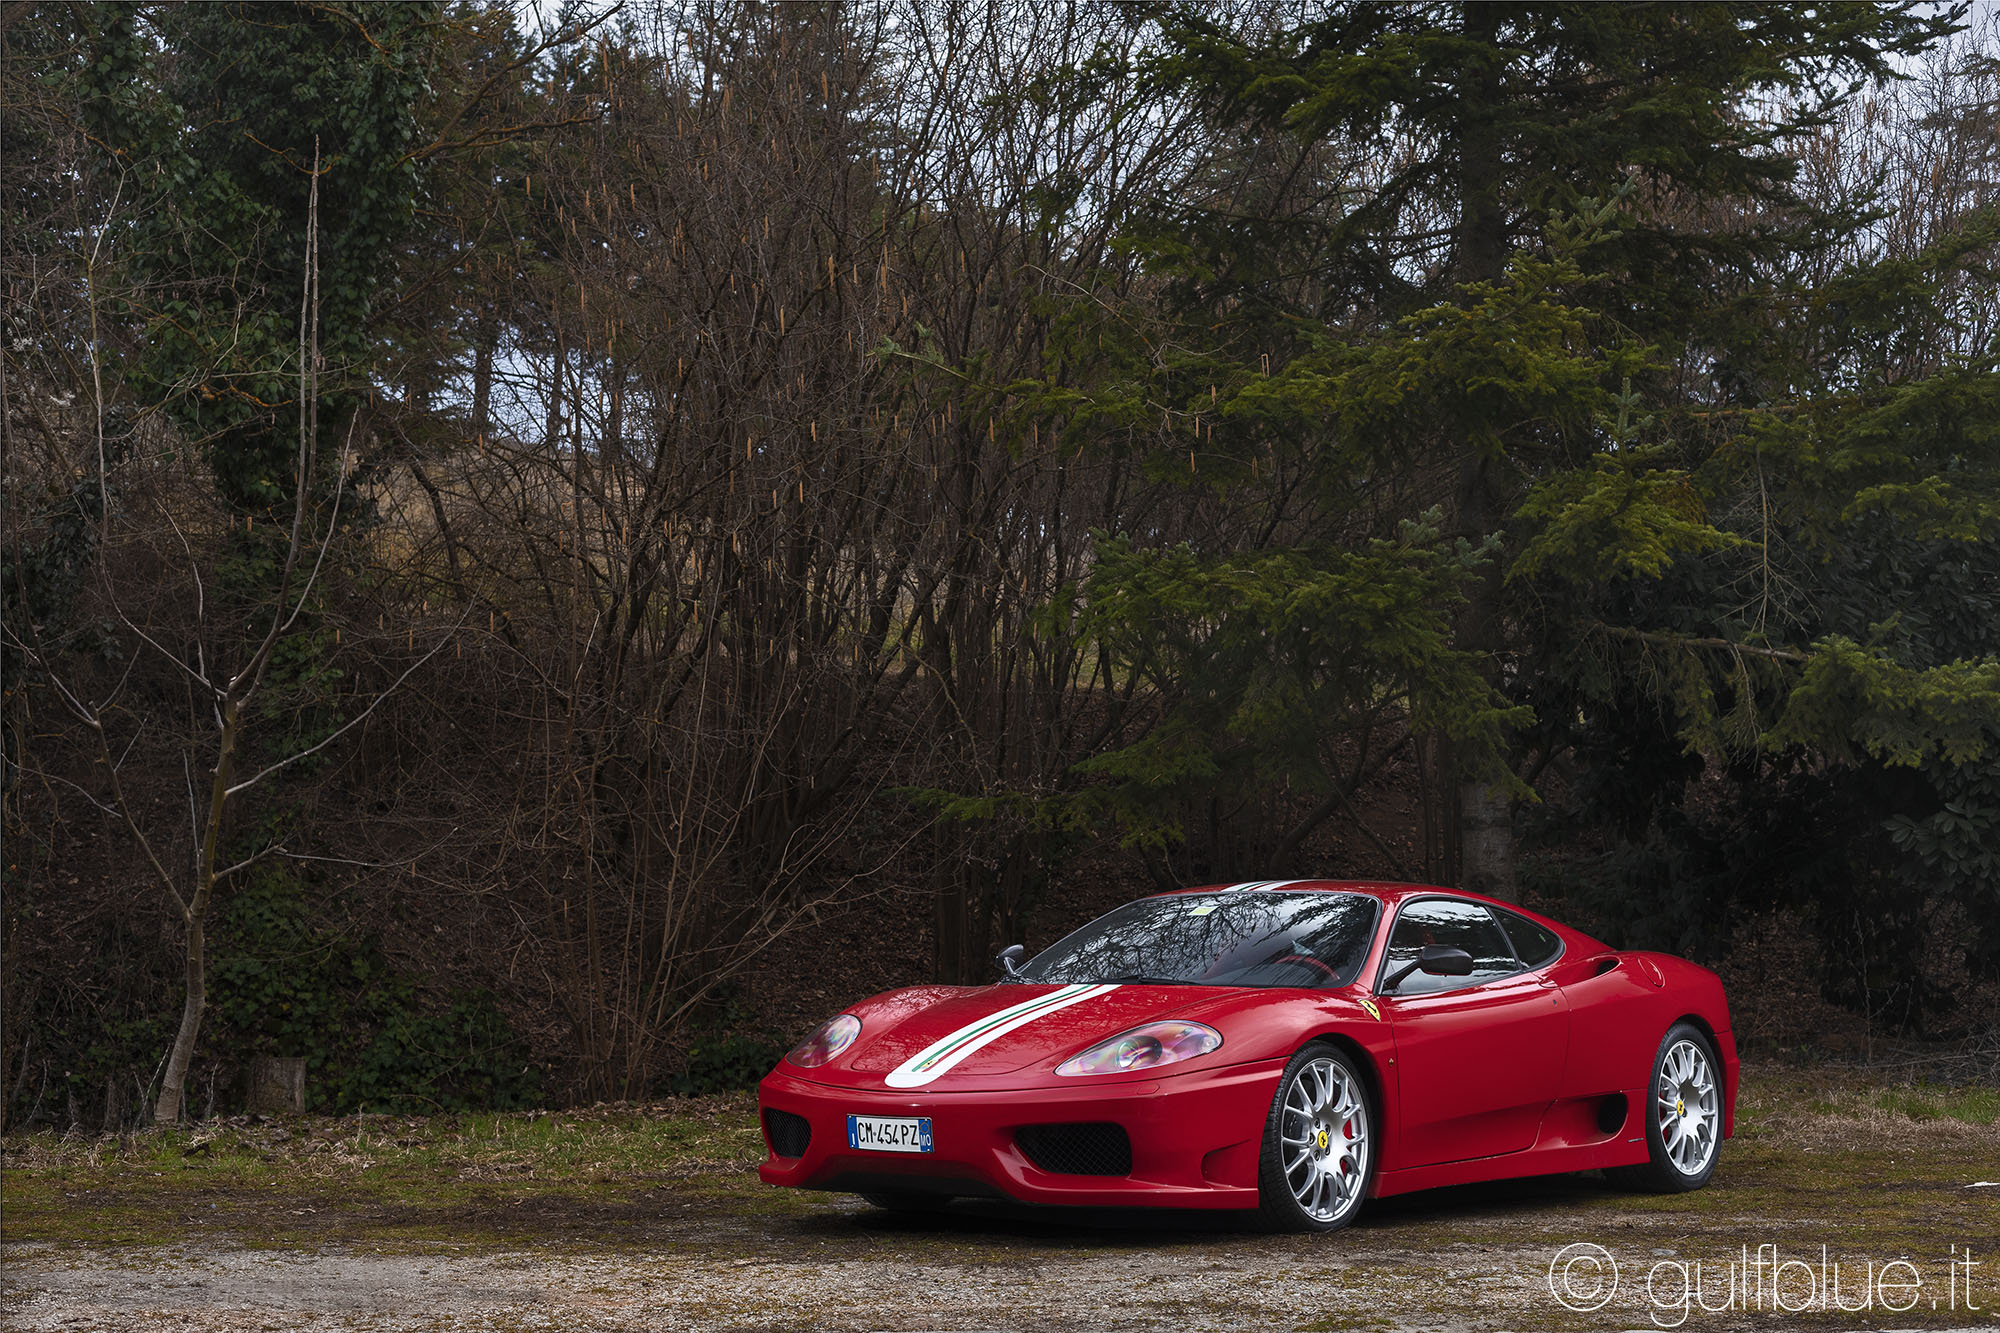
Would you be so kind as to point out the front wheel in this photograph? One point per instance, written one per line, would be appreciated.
(1319, 1145)
(1683, 1116)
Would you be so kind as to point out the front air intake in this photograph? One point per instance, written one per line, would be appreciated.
(790, 1135)
(1087, 1149)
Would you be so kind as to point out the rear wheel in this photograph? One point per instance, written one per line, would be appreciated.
(1683, 1110)
(1319, 1144)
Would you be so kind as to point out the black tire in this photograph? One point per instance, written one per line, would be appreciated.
(1316, 1167)
(907, 1203)
(1683, 1096)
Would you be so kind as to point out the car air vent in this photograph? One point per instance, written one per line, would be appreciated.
(1087, 1149)
(789, 1134)
(1605, 964)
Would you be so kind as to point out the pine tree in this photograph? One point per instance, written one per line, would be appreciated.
(1449, 245)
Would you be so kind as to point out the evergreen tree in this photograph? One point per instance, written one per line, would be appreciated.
(222, 114)
(1454, 246)
(1803, 715)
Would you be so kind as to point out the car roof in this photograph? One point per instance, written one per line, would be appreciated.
(1391, 893)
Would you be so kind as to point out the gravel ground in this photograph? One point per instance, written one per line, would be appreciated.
(1413, 1265)
(650, 1219)
(1008, 1281)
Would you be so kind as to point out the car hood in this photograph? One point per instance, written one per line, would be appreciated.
(936, 1035)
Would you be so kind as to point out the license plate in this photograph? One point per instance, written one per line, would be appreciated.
(880, 1133)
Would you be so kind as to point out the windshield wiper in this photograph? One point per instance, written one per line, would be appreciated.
(1141, 979)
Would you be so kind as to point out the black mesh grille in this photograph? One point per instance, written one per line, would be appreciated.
(1078, 1150)
(789, 1134)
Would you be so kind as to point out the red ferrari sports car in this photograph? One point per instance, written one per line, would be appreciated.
(1293, 1047)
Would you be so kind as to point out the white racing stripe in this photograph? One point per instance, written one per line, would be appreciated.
(939, 1057)
(1259, 885)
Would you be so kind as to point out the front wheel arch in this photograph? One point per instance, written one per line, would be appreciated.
(1709, 1031)
(1707, 1028)
(1373, 1078)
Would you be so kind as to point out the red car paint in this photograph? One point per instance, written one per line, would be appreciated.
(1511, 1077)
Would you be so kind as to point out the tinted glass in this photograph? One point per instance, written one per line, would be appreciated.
(1533, 944)
(1454, 925)
(1218, 939)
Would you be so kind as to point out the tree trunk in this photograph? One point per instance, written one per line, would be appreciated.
(557, 364)
(613, 448)
(167, 1110)
(1485, 823)
(276, 1083)
(482, 382)
(1485, 816)
(952, 906)
(1486, 840)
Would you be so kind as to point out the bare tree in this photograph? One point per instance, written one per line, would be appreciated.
(154, 526)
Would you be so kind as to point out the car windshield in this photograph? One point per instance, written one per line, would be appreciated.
(1242, 938)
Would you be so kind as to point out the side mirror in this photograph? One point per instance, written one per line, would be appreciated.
(1443, 962)
(1010, 958)
(1436, 959)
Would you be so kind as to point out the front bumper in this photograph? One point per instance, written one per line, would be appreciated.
(1195, 1139)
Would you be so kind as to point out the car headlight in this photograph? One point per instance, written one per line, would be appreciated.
(1146, 1047)
(834, 1036)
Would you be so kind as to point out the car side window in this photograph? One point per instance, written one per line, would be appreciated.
(1535, 945)
(1453, 924)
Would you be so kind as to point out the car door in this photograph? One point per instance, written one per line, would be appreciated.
(1479, 1057)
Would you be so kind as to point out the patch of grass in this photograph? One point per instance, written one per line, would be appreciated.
(512, 1176)
(1971, 1105)
(1777, 1097)
(1879, 1168)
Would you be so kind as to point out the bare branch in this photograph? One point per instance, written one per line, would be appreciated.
(353, 722)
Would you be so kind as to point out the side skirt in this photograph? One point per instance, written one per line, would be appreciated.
(1569, 1141)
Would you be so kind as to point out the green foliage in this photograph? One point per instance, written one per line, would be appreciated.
(1745, 472)
(88, 1011)
(1514, 368)
(40, 580)
(726, 1052)
(1628, 512)
(1850, 701)
(283, 984)
(88, 1055)
(1850, 785)
(1617, 519)
(299, 702)
(1262, 658)
(1709, 470)
(1267, 652)
(1955, 847)
(219, 145)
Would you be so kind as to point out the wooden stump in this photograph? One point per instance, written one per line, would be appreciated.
(276, 1083)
